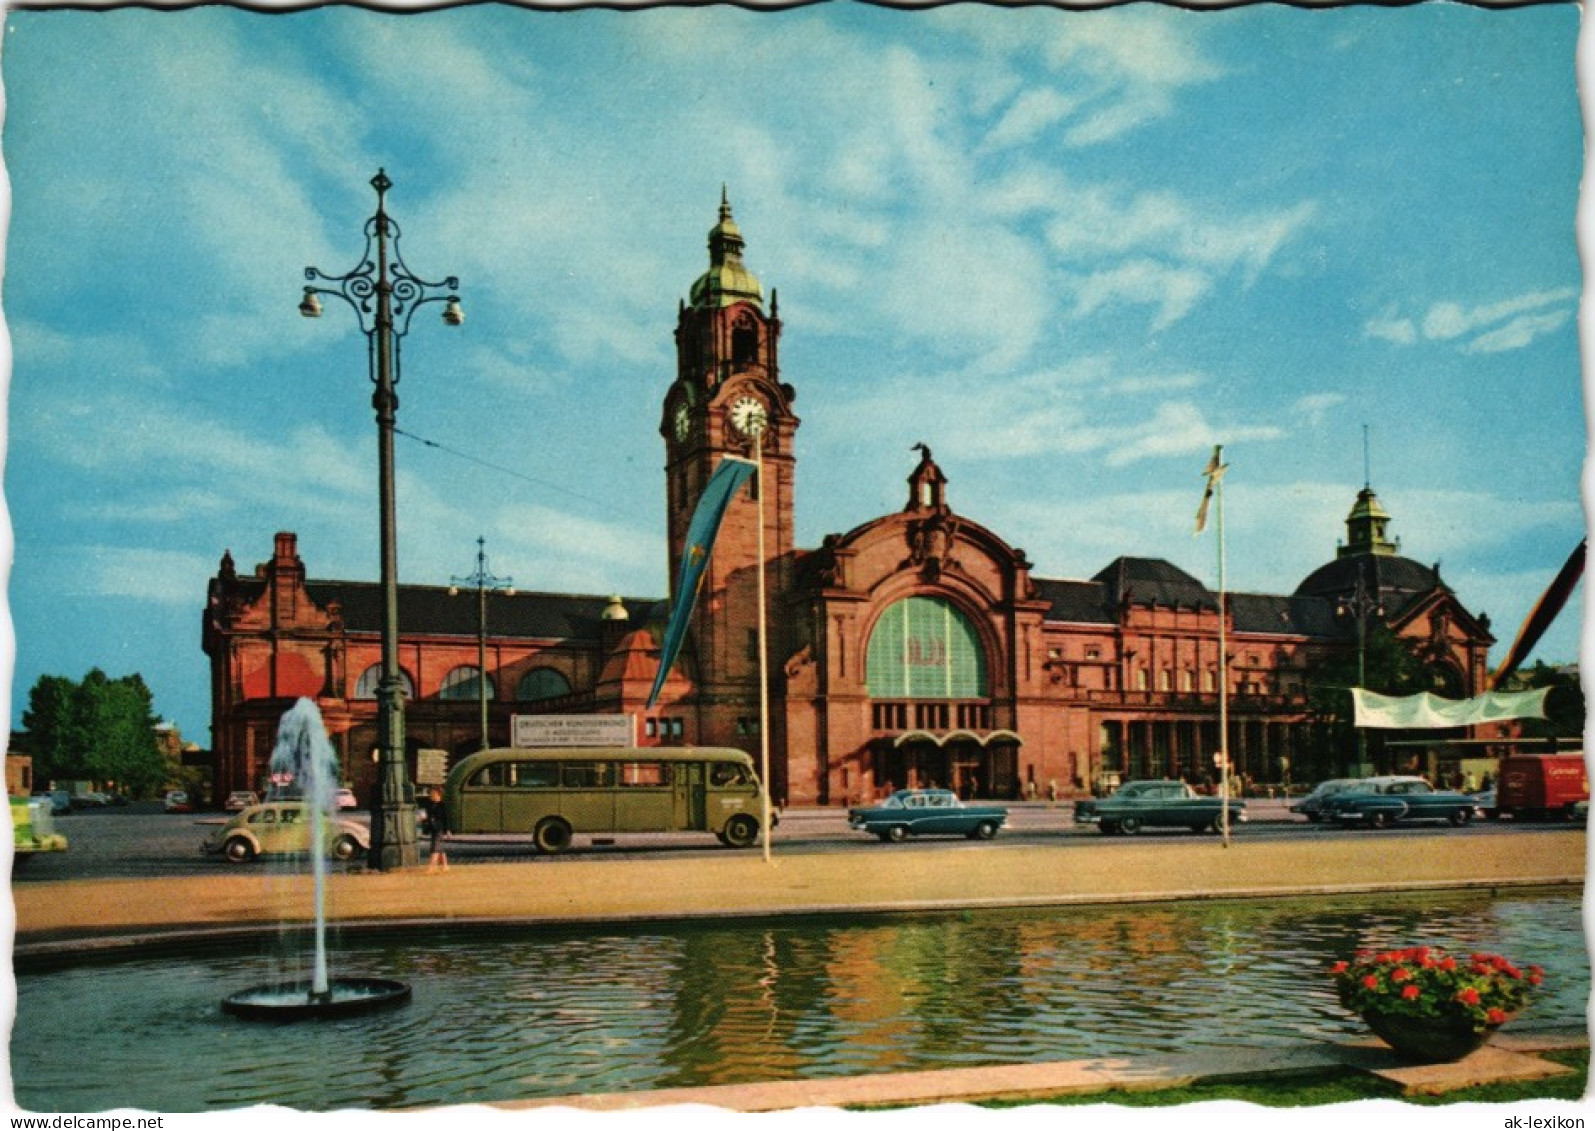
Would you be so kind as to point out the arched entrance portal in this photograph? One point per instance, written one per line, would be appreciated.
(969, 764)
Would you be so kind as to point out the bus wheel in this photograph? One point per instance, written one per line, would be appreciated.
(741, 831)
(552, 835)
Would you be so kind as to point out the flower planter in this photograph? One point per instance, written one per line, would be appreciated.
(1428, 1040)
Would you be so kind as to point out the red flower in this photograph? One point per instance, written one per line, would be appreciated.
(1370, 982)
(1536, 978)
(1448, 963)
(1338, 968)
(1469, 996)
(1410, 992)
(1401, 974)
(1495, 1016)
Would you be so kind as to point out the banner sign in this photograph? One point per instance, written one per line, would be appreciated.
(572, 730)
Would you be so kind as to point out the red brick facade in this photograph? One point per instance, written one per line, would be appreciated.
(917, 647)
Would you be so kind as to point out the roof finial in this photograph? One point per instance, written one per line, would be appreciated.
(1367, 479)
(725, 203)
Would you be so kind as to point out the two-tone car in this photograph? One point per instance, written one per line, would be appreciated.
(927, 812)
(1376, 803)
(1312, 805)
(284, 828)
(1157, 804)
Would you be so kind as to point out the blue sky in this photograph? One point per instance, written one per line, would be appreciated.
(1070, 251)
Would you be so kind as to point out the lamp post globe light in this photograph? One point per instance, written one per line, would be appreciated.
(385, 295)
(483, 581)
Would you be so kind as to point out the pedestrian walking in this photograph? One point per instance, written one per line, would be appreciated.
(438, 825)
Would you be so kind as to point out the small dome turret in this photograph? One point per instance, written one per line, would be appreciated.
(728, 279)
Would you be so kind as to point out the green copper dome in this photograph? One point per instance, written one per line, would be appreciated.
(728, 280)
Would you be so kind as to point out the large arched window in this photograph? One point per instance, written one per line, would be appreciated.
(541, 683)
(924, 648)
(366, 686)
(463, 683)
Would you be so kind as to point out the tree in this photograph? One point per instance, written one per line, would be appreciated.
(1564, 706)
(1387, 666)
(99, 729)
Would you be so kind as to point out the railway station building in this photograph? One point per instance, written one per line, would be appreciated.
(918, 648)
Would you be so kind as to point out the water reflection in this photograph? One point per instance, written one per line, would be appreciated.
(555, 1012)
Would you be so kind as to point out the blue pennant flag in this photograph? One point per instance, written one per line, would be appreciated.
(732, 473)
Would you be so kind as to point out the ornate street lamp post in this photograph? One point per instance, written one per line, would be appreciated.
(384, 295)
(1361, 604)
(483, 582)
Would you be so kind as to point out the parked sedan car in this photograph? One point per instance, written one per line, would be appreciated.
(927, 812)
(1312, 805)
(1378, 802)
(240, 799)
(1157, 804)
(177, 802)
(345, 799)
(284, 828)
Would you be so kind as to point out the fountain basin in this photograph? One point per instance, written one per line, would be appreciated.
(296, 1001)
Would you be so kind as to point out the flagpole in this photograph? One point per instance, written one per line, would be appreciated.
(764, 650)
(1223, 670)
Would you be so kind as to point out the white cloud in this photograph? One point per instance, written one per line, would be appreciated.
(165, 577)
(1489, 328)
(1171, 290)
(1519, 332)
(1314, 408)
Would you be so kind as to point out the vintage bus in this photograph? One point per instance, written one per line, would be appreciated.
(556, 793)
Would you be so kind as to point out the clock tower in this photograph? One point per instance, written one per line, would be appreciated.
(728, 399)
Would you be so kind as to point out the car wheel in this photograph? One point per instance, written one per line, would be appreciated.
(1314, 818)
(985, 830)
(239, 850)
(1129, 826)
(345, 848)
(552, 835)
(896, 832)
(1461, 817)
(1109, 828)
(741, 831)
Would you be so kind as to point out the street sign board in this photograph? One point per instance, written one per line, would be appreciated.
(572, 730)
(431, 766)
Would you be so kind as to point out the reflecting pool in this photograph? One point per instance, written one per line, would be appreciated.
(532, 1013)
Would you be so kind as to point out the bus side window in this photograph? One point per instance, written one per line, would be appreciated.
(588, 775)
(536, 775)
(644, 774)
(490, 775)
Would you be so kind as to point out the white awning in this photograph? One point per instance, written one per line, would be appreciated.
(1426, 710)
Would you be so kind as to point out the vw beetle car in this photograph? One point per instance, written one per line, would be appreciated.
(279, 828)
(1379, 802)
(927, 812)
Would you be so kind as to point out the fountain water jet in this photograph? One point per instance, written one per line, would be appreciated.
(304, 756)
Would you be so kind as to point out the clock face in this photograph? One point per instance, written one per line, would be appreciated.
(748, 416)
(683, 421)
